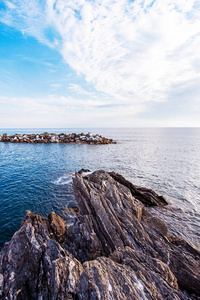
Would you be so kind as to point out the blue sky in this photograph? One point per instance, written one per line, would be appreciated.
(84, 63)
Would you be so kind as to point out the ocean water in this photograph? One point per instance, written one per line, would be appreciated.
(38, 177)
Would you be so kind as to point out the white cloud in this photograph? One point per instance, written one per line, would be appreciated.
(134, 51)
(79, 90)
(60, 111)
(10, 5)
(129, 51)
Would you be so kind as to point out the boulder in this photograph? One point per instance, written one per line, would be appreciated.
(55, 138)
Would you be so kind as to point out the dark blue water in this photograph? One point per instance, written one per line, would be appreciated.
(38, 176)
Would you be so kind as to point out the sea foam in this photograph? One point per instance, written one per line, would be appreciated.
(62, 180)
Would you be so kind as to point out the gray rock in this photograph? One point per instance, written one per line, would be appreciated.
(115, 249)
(35, 266)
(55, 138)
(146, 196)
(127, 277)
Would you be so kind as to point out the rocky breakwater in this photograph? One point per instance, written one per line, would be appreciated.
(114, 250)
(46, 137)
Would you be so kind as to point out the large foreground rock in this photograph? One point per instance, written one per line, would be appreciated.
(34, 266)
(114, 250)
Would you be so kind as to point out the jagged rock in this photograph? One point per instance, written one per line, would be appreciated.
(84, 171)
(20, 261)
(46, 228)
(146, 196)
(128, 274)
(1, 284)
(57, 226)
(59, 273)
(102, 205)
(33, 266)
(114, 250)
(111, 218)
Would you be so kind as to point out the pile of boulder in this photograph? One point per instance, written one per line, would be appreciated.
(46, 137)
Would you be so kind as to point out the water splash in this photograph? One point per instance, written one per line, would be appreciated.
(63, 180)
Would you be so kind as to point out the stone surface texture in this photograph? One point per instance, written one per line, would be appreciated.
(114, 250)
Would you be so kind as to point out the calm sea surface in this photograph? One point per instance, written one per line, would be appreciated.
(38, 176)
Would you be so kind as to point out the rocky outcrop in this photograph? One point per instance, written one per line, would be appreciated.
(56, 138)
(114, 250)
(146, 196)
(34, 265)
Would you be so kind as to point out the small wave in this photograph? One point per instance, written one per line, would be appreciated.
(87, 173)
(65, 179)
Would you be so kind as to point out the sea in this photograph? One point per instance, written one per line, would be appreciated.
(38, 177)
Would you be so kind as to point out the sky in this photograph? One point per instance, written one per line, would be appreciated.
(78, 63)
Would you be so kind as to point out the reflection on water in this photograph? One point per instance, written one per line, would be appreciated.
(38, 176)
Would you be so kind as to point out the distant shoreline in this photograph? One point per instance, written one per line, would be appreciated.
(46, 137)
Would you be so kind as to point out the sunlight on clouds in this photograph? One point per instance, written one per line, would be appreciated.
(129, 51)
(134, 51)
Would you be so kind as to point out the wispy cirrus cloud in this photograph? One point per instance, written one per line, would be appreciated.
(10, 5)
(76, 88)
(134, 51)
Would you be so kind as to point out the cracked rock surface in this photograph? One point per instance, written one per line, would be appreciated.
(114, 250)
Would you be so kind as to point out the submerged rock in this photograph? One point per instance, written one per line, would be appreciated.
(114, 250)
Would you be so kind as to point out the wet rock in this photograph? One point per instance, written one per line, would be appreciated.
(83, 171)
(70, 215)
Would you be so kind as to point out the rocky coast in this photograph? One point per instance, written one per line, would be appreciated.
(46, 137)
(115, 250)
